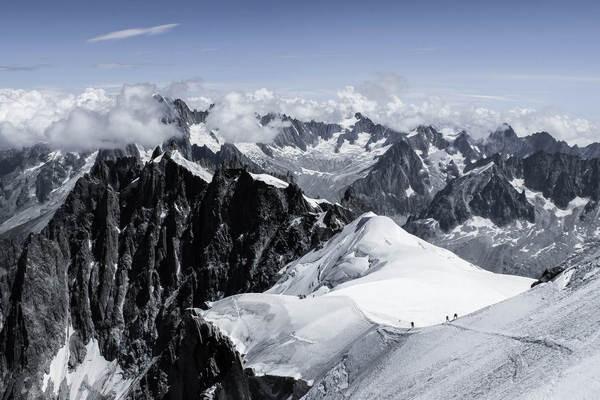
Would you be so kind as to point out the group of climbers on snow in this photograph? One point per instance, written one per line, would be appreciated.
(412, 324)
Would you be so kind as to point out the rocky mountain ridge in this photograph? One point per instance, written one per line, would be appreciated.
(133, 246)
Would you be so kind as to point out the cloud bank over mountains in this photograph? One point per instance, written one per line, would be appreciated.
(91, 119)
(94, 118)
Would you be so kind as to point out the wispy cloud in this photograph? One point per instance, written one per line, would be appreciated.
(133, 32)
(21, 68)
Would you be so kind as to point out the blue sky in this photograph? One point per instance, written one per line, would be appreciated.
(539, 54)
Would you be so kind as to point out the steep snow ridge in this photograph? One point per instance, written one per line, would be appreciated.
(191, 166)
(270, 180)
(479, 170)
(59, 365)
(145, 154)
(200, 136)
(395, 277)
(95, 375)
(280, 184)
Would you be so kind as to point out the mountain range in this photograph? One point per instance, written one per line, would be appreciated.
(313, 265)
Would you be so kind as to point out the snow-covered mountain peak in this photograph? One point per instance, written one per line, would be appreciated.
(395, 277)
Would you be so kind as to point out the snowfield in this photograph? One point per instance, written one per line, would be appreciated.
(372, 274)
(287, 336)
(394, 277)
(542, 344)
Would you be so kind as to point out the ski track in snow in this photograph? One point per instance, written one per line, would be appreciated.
(552, 344)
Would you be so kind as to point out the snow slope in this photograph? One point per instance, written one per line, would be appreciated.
(95, 376)
(395, 277)
(372, 272)
(287, 336)
(542, 344)
(195, 168)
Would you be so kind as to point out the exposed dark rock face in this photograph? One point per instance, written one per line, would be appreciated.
(504, 140)
(188, 116)
(363, 124)
(468, 147)
(130, 250)
(483, 191)
(228, 157)
(404, 180)
(302, 134)
(268, 387)
(10, 251)
(562, 177)
(549, 274)
(198, 361)
(397, 185)
(426, 137)
(131, 150)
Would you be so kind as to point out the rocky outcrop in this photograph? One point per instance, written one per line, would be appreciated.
(198, 359)
(426, 137)
(28, 177)
(561, 177)
(132, 248)
(301, 134)
(504, 140)
(397, 185)
(484, 191)
(228, 157)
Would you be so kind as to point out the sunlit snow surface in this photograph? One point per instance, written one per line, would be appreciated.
(200, 136)
(372, 273)
(280, 184)
(542, 344)
(287, 336)
(195, 168)
(92, 378)
(395, 277)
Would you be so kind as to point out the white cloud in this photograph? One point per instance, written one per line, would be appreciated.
(385, 100)
(132, 32)
(95, 118)
(236, 117)
(89, 120)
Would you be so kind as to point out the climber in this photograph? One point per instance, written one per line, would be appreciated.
(455, 316)
(447, 319)
(412, 325)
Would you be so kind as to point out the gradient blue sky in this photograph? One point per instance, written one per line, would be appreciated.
(537, 53)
